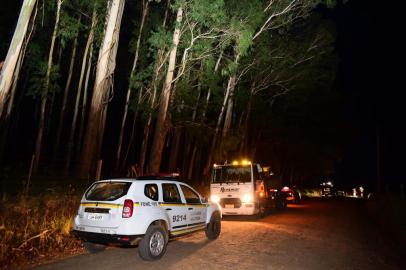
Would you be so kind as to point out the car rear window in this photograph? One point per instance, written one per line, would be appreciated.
(107, 191)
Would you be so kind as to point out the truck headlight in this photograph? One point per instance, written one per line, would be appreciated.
(215, 198)
(247, 198)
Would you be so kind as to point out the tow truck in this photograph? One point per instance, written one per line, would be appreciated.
(239, 188)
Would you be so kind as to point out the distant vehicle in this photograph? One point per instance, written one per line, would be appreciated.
(328, 192)
(241, 190)
(340, 193)
(147, 211)
(292, 194)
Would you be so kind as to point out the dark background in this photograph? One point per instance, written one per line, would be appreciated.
(371, 76)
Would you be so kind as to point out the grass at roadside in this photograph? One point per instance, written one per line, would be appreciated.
(35, 227)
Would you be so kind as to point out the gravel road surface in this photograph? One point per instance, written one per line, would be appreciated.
(317, 234)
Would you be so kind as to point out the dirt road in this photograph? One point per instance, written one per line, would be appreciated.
(318, 234)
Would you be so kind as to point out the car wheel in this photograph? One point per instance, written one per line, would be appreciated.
(153, 245)
(213, 228)
(93, 247)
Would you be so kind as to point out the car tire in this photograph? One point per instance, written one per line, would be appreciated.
(93, 247)
(153, 244)
(213, 228)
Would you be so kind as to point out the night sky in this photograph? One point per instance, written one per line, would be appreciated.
(370, 75)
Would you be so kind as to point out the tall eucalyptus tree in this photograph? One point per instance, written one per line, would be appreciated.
(102, 87)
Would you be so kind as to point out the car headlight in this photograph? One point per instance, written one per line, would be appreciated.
(247, 198)
(215, 198)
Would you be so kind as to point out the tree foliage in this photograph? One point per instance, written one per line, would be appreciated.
(279, 53)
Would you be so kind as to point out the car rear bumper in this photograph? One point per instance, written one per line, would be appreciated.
(108, 239)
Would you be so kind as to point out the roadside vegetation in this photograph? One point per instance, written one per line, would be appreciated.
(37, 227)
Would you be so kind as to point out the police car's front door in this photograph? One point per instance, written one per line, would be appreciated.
(196, 210)
(176, 209)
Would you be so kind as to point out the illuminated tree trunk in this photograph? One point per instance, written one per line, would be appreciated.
(230, 105)
(44, 98)
(85, 62)
(10, 65)
(217, 131)
(66, 94)
(206, 167)
(161, 128)
(102, 86)
(145, 4)
(85, 99)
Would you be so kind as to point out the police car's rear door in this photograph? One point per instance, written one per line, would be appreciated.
(103, 203)
(176, 209)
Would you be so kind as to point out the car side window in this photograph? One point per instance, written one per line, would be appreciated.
(190, 195)
(171, 193)
(151, 191)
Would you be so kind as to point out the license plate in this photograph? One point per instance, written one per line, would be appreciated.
(94, 216)
(229, 206)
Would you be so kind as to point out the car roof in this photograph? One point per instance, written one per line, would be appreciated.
(143, 179)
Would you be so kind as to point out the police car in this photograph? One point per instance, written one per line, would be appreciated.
(146, 212)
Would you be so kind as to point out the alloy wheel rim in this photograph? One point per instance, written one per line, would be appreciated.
(156, 243)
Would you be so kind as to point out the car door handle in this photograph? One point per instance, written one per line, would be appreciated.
(190, 208)
(168, 209)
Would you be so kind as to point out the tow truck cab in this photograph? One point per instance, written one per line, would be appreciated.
(240, 189)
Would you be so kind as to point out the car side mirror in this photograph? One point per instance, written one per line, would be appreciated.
(204, 200)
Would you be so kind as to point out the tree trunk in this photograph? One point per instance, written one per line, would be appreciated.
(86, 55)
(161, 129)
(15, 52)
(246, 121)
(131, 140)
(154, 85)
(44, 98)
(230, 105)
(18, 68)
(102, 86)
(192, 161)
(216, 131)
(66, 94)
(173, 159)
(84, 100)
(145, 4)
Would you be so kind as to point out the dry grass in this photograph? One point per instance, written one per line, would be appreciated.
(37, 227)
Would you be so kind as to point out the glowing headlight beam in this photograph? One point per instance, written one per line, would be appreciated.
(247, 198)
(215, 198)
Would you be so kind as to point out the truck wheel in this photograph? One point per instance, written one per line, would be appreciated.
(153, 244)
(262, 211)
(213, 228)
(281, 204)
(94, 248)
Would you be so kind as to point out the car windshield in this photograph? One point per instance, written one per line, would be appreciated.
(107, 191)
(227, 174)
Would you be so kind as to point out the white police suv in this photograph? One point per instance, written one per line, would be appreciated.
(147, 212)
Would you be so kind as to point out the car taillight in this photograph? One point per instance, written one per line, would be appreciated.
(128, 208)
